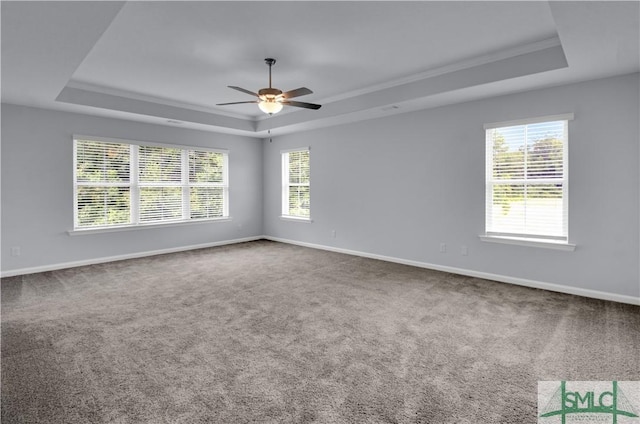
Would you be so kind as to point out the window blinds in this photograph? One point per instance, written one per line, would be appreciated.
(207, 181)
(102, 175)
(526, 181)
(296, 177)
(129, 184)
(160, 181)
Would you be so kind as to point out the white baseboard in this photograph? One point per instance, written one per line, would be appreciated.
(53, 267)
(595, 294)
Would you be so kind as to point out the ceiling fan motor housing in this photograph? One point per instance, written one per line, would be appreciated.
(266, 93)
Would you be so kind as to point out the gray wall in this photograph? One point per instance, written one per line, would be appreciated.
(401, 185)
(37, 189)
(397, 186)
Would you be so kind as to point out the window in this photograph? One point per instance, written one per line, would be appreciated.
(295, 184)
(123, 184)
(526, 179)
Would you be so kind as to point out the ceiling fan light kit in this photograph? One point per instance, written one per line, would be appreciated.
(272, 100)
(270, 106)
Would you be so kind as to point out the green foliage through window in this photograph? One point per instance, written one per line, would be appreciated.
(166, 184)
(296, 179)
(526, 179)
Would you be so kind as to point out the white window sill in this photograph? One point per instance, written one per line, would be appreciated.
(86, 231)
(532, 242)
(296, 219)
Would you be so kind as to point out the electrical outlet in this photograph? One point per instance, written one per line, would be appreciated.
(464, 250)
(443, 248)
(15, 251)
(333, 233)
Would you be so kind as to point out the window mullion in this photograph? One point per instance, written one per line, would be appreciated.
(186, 204)
(75, 184)
(285, 183)
(526, 176)
(134, 178)
(225, 182)
(565, 179)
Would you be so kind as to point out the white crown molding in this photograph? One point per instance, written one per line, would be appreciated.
(152, 99)
(453, 67)
(447, 69)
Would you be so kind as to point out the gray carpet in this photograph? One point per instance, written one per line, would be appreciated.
(264, 332)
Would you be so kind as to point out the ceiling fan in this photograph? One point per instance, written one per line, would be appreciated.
(271, 100)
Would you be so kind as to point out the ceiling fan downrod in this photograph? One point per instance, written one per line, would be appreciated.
(269, 94)
(270, 61)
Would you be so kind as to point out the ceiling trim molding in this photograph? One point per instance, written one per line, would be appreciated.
(514, 66)
(535, 62)
(447, 69)
(84, 86)
(140, 107)
(453, 67)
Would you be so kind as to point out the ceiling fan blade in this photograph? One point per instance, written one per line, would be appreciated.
(302, 91)
(302, 104)
(236, 103)
(243, 90)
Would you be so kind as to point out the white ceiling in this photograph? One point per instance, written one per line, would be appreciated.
(172, 61)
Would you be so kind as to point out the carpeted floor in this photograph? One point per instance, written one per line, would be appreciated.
(269, 333)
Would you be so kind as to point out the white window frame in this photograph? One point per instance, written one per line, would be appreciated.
(284, 154)
(531, 240)
(134, 186)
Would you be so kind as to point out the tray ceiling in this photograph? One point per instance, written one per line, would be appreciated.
(172, 61)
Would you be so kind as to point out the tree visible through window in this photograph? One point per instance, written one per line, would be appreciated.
(207, 184)
(526, 182)
(127, 184)
(295, 184)
(103, 184)
(160, 182)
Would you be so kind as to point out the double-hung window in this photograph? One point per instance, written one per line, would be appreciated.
(526, 180)
(120, 183)
(295, 184)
